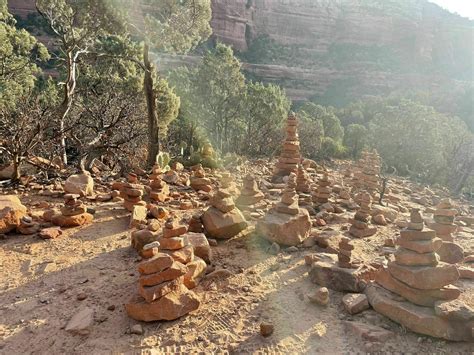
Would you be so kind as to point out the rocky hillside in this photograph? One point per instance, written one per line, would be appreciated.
(337, 50)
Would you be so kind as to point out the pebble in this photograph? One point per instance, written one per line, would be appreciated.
(111, 307)
(266, 329)
(81, 297)
(136, 329)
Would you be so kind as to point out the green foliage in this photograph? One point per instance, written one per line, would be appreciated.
(20, 54)
(167, 104)
(355, 139)
(331, 148)
(163, 159)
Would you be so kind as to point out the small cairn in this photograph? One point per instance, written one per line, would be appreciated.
(195, 224)
(227, 183)
(223, 220)
(303, 184)
(250, 194)
(360, 223)
(444, 220)
(27, 226)
(159, 189)
(290, 153)
(369, 178)
(173, 242)
(131, 192)
(429, 304)
(345, 253)
(73, 213)
(323, 191)
(286, 223)
(199, 181)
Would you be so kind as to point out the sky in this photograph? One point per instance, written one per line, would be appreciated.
(464, 8)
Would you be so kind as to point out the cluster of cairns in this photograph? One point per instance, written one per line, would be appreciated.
(360, 223)
(250, 194)
(132, 193)
(73, 213)
(199, 181)
(323, 191)
(286, 223)
(223, 220)
(290, 153)
(430, 302)
(159, 189)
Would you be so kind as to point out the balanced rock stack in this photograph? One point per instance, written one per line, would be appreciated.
(303, 184)
(199, 181)
(28, 226)
(345, 253)
(223, 220)
(290, 153)
(228, 183)
(286, 223)
(250, 194)
(173, 243)
(360, 223)
(159, 190)
(73, 213)
(162, 292)
(444, 226)
(132, 195)
(369, 176)
(416, 274)
(323, 192)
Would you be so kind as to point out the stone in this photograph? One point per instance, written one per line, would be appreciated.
(425, 277)
(196, 270)
(201, 246)
(456, 310)
(159, 212)
(451, 253)
(379, 219)
(466, 272)
(142, 237)
(421, 246)
(11, 212)
(173, 243)
(157, 264)
(80, 184)
(138, 216)
(184, 255)
(412, 258)
(355, 303)
(219, 225)
(152, 293)
(173, 272)
(266, 329)
(369, 332)
(290, 153)
(320, 296)
(417, 296)
(415, 235)
(285, 229)
(174, 232)
(72, 221)
(169, 307)
(417, 318)
(81, 322)
(136, 329)
(50, 233)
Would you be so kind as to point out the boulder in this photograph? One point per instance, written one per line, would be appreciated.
(11, 212)
(169, 307)
(285, 229)
(80, 184)
(201, 245)
(221, 225)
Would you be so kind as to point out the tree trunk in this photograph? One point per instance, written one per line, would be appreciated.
(16, 168)
(153, 129)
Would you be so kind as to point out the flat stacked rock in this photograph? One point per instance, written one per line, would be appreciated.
(323, 191)
(227, 183)
(417, 275)
(303, 182)
(27, 226)
(132, 195)
(159, 190)
(199, 181)
(369, 177)
(223, 220)
(360, 223)
(444, 226)
(345, 253)
(173, 243)
(250, 194)
(286, 223)
(290, 153)
(162, 291)
(73, 213)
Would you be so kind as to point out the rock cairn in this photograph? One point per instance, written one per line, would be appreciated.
(323, 191)
(345, 253)
(290, 153)
(360, 223)
(367, 172)
(250, 194)
(303, 182)
(28, 226)
(444, 220)
(223, 220)
(228, 183)
(173, 243)
(159, 189)
(286, 223)
(416, 274)
(199, 181)
(162, 292)
(73, 213)
(132, 195)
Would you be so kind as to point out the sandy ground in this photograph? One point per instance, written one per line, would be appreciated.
(40, 282)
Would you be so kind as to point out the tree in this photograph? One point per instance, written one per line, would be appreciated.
(174, 26)
(20, 55)
(355, 139)
(78, 27)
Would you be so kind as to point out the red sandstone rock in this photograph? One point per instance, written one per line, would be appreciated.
(11, 212)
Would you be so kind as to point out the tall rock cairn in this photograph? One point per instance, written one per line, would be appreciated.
(290, 154)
